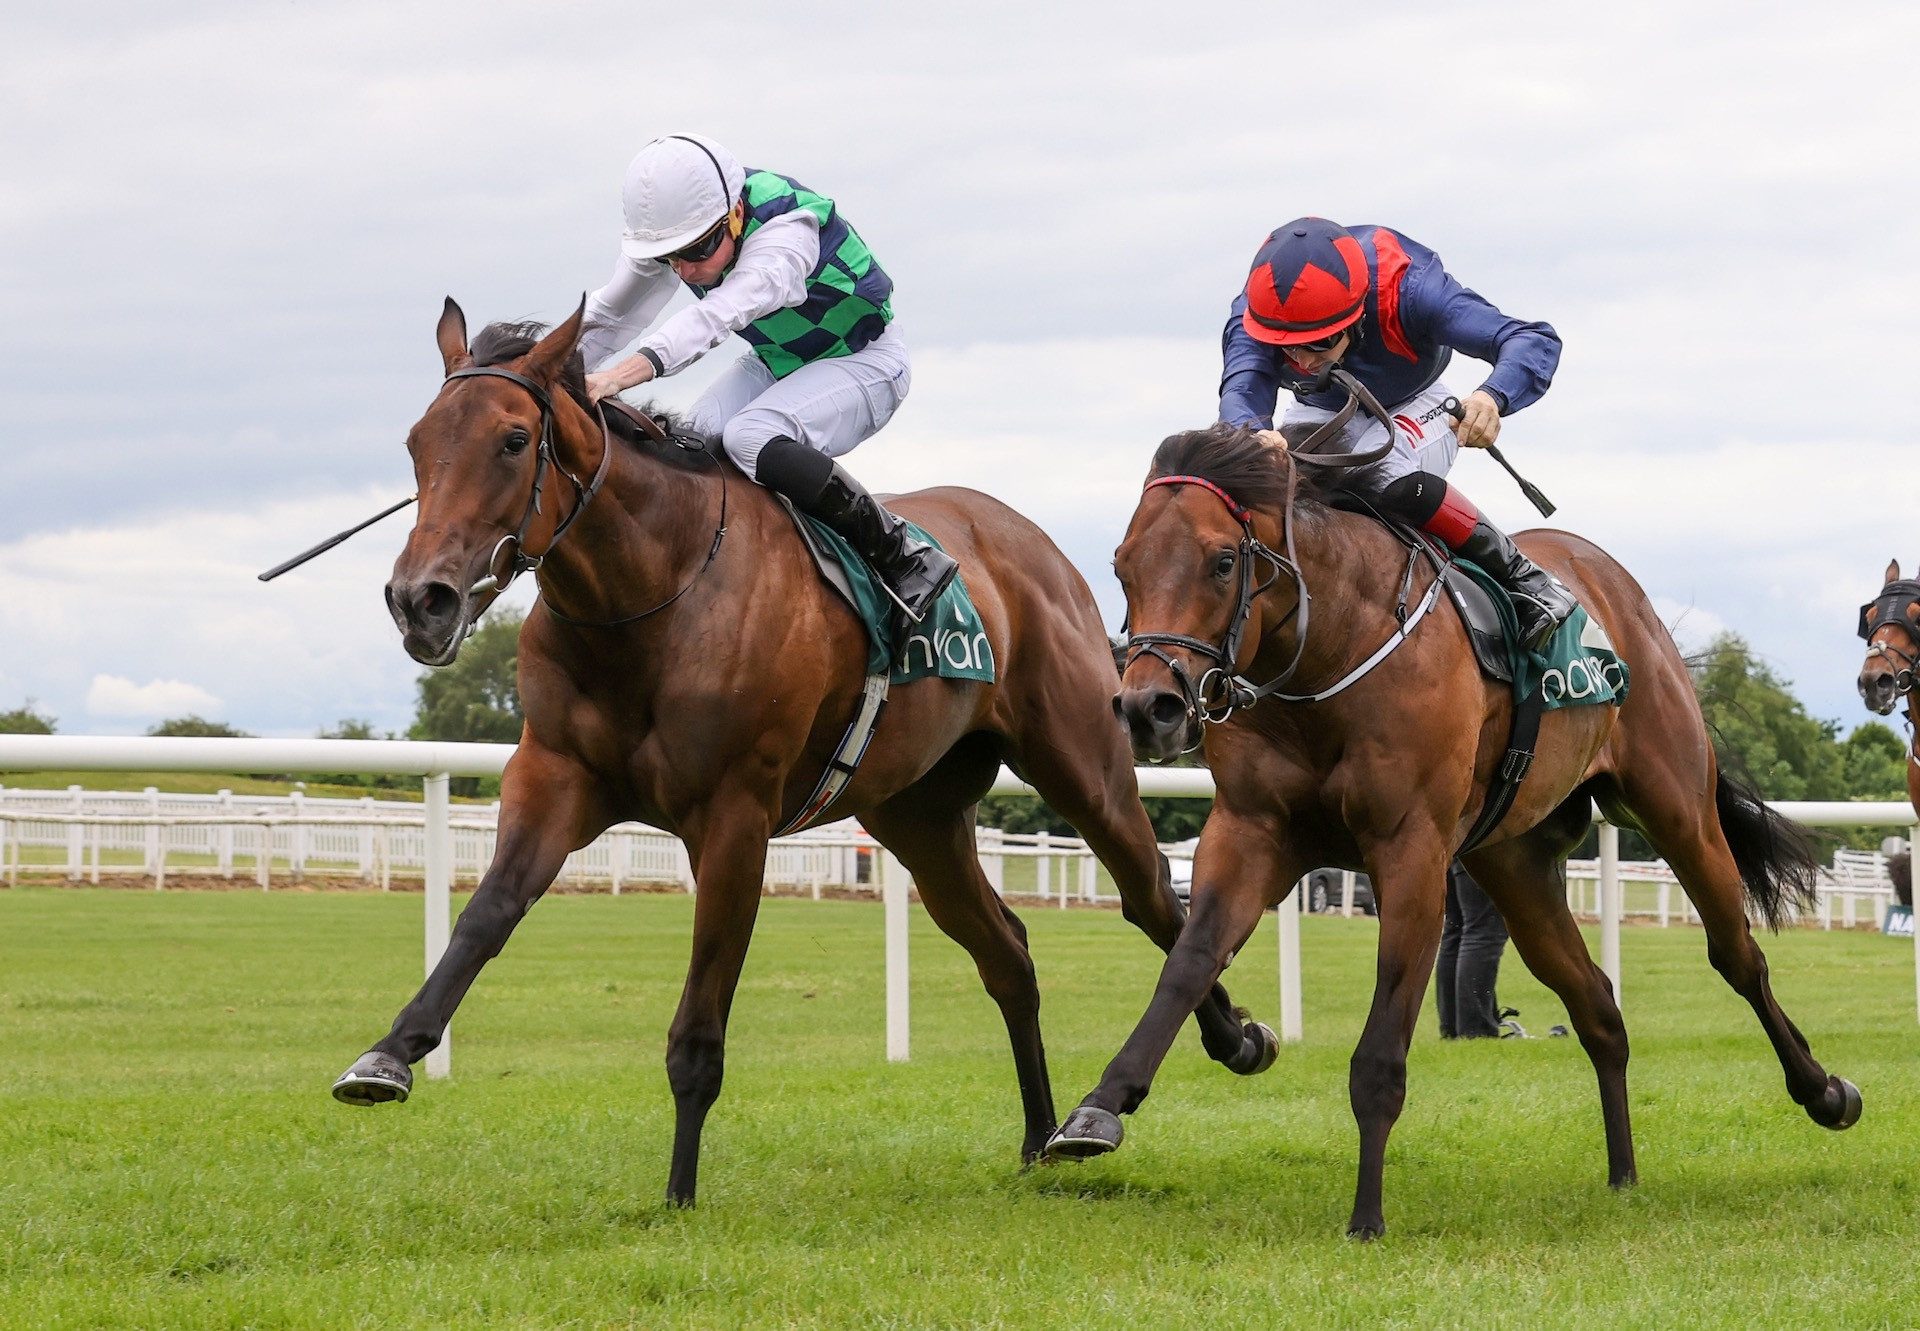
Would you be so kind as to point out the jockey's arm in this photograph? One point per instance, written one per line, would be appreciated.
(1524, 355)
(770, 274)
(1249, 375)
(619, 311)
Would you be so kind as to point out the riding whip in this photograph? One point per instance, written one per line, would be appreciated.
(1527, 487)
(332, 541)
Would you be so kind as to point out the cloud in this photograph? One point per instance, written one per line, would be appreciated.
(220, 325)
(113, 696)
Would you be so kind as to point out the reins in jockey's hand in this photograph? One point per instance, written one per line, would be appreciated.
(1534, 493)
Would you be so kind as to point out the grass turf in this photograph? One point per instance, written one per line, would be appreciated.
(170, 1156)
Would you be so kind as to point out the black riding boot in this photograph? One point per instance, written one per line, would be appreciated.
(1439, 509)
(1538, 598)
(913, 572)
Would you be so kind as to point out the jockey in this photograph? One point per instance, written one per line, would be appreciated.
(776, 263)
(1383, 308)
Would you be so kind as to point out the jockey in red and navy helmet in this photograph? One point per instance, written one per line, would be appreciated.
(1385, 309)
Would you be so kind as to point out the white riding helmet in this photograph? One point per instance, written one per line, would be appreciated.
(677, 188)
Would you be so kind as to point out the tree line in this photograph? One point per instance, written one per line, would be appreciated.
(1762, 733)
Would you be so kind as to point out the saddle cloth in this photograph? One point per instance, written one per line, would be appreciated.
(1579, 667)
(950, 642)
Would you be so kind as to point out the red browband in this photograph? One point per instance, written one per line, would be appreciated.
(1240, 512)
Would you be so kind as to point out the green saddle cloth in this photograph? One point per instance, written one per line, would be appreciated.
(1579, 666)
(950, 642)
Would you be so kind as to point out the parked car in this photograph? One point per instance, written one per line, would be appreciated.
(1322, 892)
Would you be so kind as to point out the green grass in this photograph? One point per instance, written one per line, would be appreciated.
(169, 1155)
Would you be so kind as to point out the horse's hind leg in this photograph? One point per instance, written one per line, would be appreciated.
(1082, 769)
(1686, 828)
(933, 836)
(1527, 879)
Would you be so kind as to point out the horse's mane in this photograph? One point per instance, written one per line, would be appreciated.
(501, 342)
(1239, 462)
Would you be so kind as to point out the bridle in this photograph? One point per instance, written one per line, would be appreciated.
(519, 560)
(1894, 604)
(1222, 689)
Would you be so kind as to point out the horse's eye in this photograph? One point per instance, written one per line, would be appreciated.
(517, 441)
(1223, 564)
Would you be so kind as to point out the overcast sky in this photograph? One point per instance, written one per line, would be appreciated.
(227, 230)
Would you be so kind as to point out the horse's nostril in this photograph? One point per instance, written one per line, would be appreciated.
(438, 600)
(1119, 712)
(1166, 709)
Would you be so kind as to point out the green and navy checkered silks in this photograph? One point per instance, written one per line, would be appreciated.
(849, 296)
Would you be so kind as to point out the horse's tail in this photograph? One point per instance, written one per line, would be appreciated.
(1775, 854)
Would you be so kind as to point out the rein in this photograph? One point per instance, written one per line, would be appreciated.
(1222, 689)
(522, 562)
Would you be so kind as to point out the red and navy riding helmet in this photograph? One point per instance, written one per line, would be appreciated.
(1308, 282)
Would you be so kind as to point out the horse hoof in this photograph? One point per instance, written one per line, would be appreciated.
(1259, 1051)
(374, 1079)
(1849, 1106)
(1086, 1133)
(1365, 1231)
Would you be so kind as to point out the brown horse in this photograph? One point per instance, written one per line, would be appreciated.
(1891, 625)
(686, 667)
(1389, 774)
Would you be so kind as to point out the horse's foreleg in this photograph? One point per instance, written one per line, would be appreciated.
(1096, 792)
(545, 810)
(730, 856)
(1240, 871)
(1409, 876)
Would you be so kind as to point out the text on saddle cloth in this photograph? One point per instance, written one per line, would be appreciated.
(950, 643)
(1580, 666)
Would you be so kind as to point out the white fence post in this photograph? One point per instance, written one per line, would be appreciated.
(439, 881)
(1289, 921)
(297, 849)
(226, 836)
(75, 836)
(366, 840)
(1610, 905)
(893, 890)
(152, 865)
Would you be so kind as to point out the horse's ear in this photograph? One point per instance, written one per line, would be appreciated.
(549, 355)
(452, 336)
(1893, 570)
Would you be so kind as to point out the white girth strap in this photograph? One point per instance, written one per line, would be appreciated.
(846, 759)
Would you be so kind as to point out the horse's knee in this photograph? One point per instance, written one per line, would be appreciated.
(490, 918)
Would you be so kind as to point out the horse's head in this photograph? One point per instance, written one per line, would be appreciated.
(1891, 625)
(1193, 569)
(486, 457)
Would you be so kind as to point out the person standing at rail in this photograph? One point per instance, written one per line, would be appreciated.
(778, 264)
(1383, 307)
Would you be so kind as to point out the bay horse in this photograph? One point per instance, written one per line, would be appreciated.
(1890, 623)
(686, 666)
(1389, 773)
